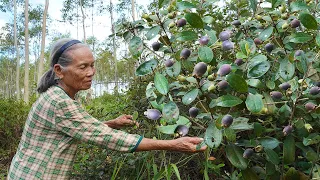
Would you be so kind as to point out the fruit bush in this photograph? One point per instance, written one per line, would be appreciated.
(244, 76)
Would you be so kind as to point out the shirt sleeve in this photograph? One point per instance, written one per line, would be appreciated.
(74, 121)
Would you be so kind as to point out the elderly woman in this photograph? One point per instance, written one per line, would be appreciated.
(56, 122)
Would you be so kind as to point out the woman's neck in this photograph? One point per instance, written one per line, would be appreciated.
(71, 93)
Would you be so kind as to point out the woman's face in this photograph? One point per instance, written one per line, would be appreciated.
(79, 73)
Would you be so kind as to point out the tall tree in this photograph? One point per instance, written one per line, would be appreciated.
(114, 48)
(26, 65)
(43, 40)
(83, 21)
(17, 51)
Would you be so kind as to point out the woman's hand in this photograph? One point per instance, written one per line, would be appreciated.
(121, 121)
(187, 144)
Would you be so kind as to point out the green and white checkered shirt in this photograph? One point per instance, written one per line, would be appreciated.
(55, 125)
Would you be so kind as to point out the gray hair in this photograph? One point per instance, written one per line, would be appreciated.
(49, 78)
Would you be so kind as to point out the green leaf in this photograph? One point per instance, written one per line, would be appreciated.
(253, 5)
(192, 80)
(240, 55)
(237, 83)
(136, 46)
(187, 36)
(190, 96)
(298, 6)
(208, 19)
(308, 21)
(174, 70)
(311, 139)
(286, 69)
(270, 84)
(194, 20)
(249, 174)
(268, 142)
(169, 129)
(225, 101)
(162, 2)
(254, 103)
(135, 115)
(241, 124)
(265, 34)
(300, 37)
(258, 66)
(272, 156)
(255, 83)
(292, 174)
(276, 3)
(213, 136)
(212, 36)
(161, 83)
(318, 39)
(234, 154)
(230, 134)
(289, 150)
(153, 32)
(185, 5)
(170, 111)
(146, 67)
(175, 168)
(205, 54)
(243, 48)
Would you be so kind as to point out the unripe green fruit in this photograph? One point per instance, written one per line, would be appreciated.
(287, 130)
(258, 17)
(170, 8)
(258, 148)
(276, 95)
(171, 25)
(242, 97)
(210, 77)
(222, 85)
(181, 22)
(282, 9)
(185, 53)
(211, 88)
(285, 16)
(200, 69)
(193, 112)
(156, 46)
(248, 153)
(182, 78)
(284, 86)
(153, 114)
(269, 47)
(227, 120)
(182, 130)
(224, 69)
(172, 15)
(145, 16)
(314, 90)
(285, 26)
(295, 23)
(310, 106)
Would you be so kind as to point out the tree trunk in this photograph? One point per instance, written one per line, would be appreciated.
(114, 49)
(83, 25)
(26, 65)
(17, 51)
(43, 40)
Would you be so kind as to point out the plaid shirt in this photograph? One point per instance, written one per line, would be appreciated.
(49, 141)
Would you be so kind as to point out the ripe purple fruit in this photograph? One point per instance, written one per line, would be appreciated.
(236, 23)
(224, 35)
(248, 153)
(223, 85)
(193, 112)
(257, 41)
(200, 69)
(153, 114)
(287, 130)
(204, 40)
(168, 63)
(298, 53)
(284, 86)
(310, 106)
(226, 121)
(238, 62)
(224, 69)
(314, 90)
(181, 22)
(156, 46)
(182, 130)
(185, 53)
(269, 47)
(295, 23)
(276, 95)
(227, 45)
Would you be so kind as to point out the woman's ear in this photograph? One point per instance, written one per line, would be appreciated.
(58, 70)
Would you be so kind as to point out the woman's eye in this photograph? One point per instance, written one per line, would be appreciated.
(82, 67)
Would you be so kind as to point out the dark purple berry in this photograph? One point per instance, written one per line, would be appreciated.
(223, 85)
(236, 23)
(295, 23)
(248, 153)
(168, 63)
(204, 40)
(156, 46)
(298, 53)
(153, 114)
(287, 130)
(227, 45)
(181, 22)
(185, 53)
(193, 112)
(200, 69)
(284, 86)
(182, 130)
(257, 41)
(224, 69)
(224, 35)
(226, 120)
(269, 47)
(238, 62)
(310, 106)
(276, 95)
(314, 90)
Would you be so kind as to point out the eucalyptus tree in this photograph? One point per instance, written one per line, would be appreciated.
(26, 66)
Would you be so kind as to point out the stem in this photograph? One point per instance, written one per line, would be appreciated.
(161, 25)
(276, 103)
(191, 119)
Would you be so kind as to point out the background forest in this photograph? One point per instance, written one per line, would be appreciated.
(244, 75)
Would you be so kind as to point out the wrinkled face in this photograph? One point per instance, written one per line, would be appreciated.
(79, 73)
